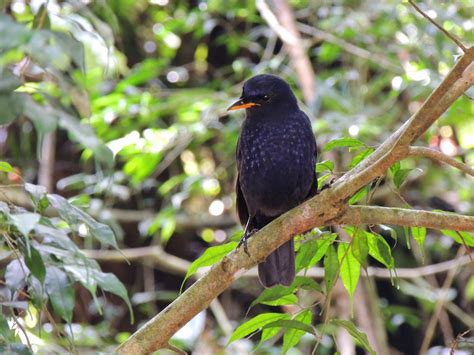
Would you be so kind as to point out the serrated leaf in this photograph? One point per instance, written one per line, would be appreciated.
(211, 256)
(35, 263)
(359, 336)
(419, 235)
(61, 292)
(343, 142)
(350, 268)
(75, 216)
(400, 176)
(296, 329)
(325, 165)
(4, 166)
(380, 250)
(256, 323)
(25, 222)
(331, 268)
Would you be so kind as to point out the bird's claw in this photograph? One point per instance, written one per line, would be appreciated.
(243, 240)
(328, 185)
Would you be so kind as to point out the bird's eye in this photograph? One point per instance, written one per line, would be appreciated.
(265, 97)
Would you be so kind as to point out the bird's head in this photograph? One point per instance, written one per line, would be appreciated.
(263, 92)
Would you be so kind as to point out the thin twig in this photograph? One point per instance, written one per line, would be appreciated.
(430, 329)
(439, 27)
(438, 156)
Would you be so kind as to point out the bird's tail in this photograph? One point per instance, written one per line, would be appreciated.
(279, 267)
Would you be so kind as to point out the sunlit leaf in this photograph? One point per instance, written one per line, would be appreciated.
(343, 142)
(296, 329)
(419, 235)
(350, 268)
(211, 256)
(256, 323)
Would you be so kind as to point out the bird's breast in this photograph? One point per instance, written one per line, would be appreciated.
(276, 167)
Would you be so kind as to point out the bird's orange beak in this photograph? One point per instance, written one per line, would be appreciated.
(241, 104)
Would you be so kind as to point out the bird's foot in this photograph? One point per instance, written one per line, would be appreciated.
(328, 185)
(245, 237)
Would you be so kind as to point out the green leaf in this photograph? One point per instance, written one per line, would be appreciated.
(313, 250)
(38, 196)
(419, 235)
(305, 254)
(44, 117)
(325, 165)
(272, 294)
(469, 290)
(11, 106)
(256, 323)
(296, 329)
(291, 324)
(61, 292)
(322, 245)
(400, 176)
(86, 136)
(463, 238)
(16, 274)
(380, 250)
(343, 142)
(331, 268)
(284, 300)
(358, 195)
(359, 336)
(75, 216)
(8, 81)
(361, 156)
(211, 256)
(7, 335)
(15, 349)
(4, 166)
(13, 35)
(360, 246)
(395, 167)
(25, 222)
(110, 283)
(350, 268)
(35, 263)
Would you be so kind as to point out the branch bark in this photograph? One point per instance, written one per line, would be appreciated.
(438, 156)
(323, 209)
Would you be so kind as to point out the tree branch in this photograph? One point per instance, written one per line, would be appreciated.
(438, 156)
(323, 209)
(406, 217)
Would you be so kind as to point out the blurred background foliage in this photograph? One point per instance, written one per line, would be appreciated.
(120, 106)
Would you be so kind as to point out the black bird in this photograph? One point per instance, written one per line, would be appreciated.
(276, 158)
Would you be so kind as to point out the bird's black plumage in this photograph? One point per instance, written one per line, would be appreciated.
(276, 157)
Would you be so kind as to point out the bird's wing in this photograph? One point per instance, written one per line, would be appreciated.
(242, 209)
